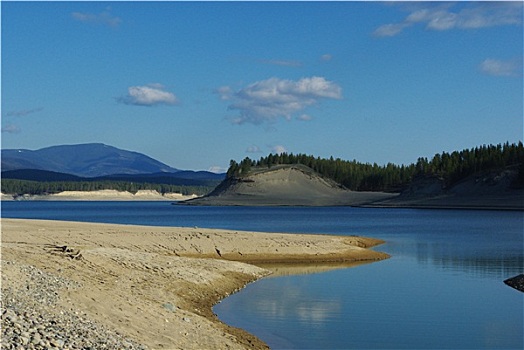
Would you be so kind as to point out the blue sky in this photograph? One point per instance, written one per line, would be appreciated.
(195, 84)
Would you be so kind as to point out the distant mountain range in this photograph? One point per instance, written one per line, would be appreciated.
(84, 160)
(94, 161)
(181, 178)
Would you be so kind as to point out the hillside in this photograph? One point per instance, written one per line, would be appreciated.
(84, 160)
(485, 190)
(42, 182)
(357, 176)
(285, 185)
(488, 177)
(95, 167)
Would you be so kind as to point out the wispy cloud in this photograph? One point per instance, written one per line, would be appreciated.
(447, 16)
(217, 169)
(391, 29)
(501, 68)
(326, 57)
(148, 95)
(10, 129)
(104, 18)
(225, 92)
(253, 149)
(268, 100)
(278, 149)
(23, 112)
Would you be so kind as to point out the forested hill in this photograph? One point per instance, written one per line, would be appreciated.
(84, 160)
(39, 182)
(450, 167)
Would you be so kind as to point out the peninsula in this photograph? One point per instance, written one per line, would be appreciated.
(136, 287)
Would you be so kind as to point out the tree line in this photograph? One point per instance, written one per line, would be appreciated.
(357, 176)
(19, 187)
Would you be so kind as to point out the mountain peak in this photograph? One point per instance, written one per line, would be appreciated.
(86, 160)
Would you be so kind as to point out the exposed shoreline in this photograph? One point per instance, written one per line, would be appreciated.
(157, 285)
(300, 186)
(103, 195)
(508, 202)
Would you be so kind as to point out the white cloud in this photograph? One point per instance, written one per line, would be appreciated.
(274, 98)
(225, 92)
(444, 16)
(217, 169)
(501, 68)
(441, 20)
(105, 18)
(326, 57)
(390, 29)
(253, 149)
(278, 149)
(148, 95)
(11, 129)
(491, 14)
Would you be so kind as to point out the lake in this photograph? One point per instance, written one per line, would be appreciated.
(441, 289)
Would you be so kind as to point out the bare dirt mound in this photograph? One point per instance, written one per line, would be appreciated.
(285, 185)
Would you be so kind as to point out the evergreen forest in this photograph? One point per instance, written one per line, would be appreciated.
(449, 167)
(19, 187)
(353, 175)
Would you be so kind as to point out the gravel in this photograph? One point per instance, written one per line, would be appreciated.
(32, 320)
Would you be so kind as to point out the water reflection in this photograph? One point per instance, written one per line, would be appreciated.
(395, 303)
(278, 270)
(295, 299)
(481, 267)
(442, 287)
(298, 304)
(473, 258)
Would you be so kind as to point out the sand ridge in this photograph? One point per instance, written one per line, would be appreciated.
(156, 285)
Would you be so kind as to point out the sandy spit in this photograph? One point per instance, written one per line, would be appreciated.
(157, 285)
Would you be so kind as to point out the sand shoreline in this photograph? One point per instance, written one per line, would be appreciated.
(157, 285)
(509, 200)
(102, 195)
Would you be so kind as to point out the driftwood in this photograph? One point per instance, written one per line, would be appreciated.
(65, 251)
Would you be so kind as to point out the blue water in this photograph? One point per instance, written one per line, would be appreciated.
(441, 289)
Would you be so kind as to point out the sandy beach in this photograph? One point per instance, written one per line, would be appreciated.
(152, 286)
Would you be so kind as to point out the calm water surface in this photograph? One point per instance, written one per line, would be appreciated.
(442, 288)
